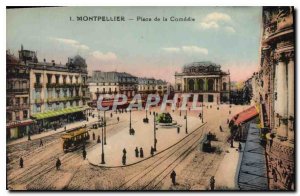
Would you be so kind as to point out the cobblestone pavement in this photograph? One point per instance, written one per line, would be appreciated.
(192, 166)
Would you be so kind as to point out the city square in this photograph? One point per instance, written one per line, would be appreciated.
(174, 109)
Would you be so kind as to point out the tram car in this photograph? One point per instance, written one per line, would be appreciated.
(75, 138)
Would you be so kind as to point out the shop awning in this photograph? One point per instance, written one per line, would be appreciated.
(64, 111)
(245, 115)
(19, 123)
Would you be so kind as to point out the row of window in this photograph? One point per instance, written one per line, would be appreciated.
(57, 78)
(15, 116)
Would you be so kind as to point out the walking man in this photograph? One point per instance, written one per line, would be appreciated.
(212, 183)
(240, 146)
(98, 140)
(21, 162)
(58, 164)
(152, 151)
(94, 136)
(124, 151)
(84, 154)
(118, 118)
(173, 177)
(221, 128)
(41, 143)
(141, 153)
(124, 159)
(231, 143)
(136, 152)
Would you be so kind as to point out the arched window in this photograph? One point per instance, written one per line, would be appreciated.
(224, 86)
(201, 84)
(210, 85)
(191, 85)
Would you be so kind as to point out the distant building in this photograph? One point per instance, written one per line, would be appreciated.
(101, 83)
(152, 86)
(205, 79)
(18, 122)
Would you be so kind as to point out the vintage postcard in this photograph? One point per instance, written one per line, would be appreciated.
(150, 98)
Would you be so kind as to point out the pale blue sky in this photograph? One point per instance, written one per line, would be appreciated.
(229, 36)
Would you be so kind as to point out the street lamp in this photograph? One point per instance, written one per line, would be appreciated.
(104, 129)
(102, 154)
(154, 131)
(129, 121)
(186, 130)
(202, 113)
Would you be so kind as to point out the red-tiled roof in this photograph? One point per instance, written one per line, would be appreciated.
(245, 115)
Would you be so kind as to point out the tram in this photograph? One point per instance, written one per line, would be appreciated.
(75, 138)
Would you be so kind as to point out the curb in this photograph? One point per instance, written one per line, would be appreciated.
(120, 166)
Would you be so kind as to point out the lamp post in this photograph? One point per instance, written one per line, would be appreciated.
(154, 131)
(104, 129)
(202, 113)
(129, 120)
(186, 130)
(102, 154)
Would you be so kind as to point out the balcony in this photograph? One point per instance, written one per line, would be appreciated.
(17, 90)
(18, 107)
(51, 100)
(38, 85)
(38, 101)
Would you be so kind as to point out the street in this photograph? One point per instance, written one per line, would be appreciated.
(182, 154)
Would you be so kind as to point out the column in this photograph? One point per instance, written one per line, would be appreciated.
(205, 84)
(291, 97)
(195, 84)
(282, 97)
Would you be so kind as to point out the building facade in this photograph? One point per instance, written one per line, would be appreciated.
(205, 79)
(152, 86)
(273, 88)
(57, 93)
(18, 121)
(101, 83)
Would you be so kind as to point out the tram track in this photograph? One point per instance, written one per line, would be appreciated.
(43, 167)
(155, 169)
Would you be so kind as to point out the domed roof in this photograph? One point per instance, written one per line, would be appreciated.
(201, 67)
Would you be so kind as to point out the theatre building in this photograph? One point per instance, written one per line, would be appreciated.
(205, 79)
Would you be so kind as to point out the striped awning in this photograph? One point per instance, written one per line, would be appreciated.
(55, 113)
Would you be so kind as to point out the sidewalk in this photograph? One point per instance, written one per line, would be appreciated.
(52, 132)
(144, 137)
(253, 172)
(227, 174)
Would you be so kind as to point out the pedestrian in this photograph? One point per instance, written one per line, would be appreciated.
(136, 152)
(141, 153)
(58, 164)
(178, 130)
(118, 118)
(65, 128)
(98, 140)
(124, 151)
(227, 121)
(231, 143)
(173, 177)
(41, 143)
(21, 162)
(84, 154)
(200, 115)
(240, 146)
(152, 151)
(111, 115)
(94, 136)
(221, 128)
(124, 159)
(212, 183)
